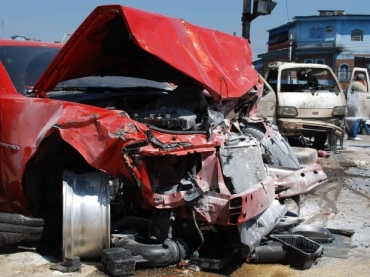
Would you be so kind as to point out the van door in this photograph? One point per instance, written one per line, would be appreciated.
(358, 102)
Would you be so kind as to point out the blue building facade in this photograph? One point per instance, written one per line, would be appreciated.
(332, 37)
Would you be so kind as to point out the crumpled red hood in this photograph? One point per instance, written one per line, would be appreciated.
(122, 41)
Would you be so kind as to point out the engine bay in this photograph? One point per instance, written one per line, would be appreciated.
(176, 109)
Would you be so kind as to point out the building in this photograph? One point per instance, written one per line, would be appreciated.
(333, 37)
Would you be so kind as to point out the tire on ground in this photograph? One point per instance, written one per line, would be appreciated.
(15, 228)
(19, 219)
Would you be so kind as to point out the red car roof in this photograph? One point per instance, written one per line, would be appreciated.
(15, 42)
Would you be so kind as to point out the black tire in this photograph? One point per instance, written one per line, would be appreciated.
(279, 151)
(14, 238)
(16, 228)
(19, 219)
(320, 140)
(11, 228)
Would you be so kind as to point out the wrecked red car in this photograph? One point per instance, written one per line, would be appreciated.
(142, 135)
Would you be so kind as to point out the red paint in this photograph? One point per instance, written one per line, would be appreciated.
(222, 63)
(163, 49)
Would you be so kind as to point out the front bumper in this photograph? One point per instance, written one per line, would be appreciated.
(299, 127)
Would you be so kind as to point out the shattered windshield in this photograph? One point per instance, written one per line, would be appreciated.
(308, 79)
(303, 79)
(25, 64)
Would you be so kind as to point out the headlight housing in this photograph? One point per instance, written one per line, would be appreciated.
(287, 112)
(339, 110)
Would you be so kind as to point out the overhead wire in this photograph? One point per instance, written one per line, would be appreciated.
(287, 10)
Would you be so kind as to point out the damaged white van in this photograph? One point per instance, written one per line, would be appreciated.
(306, 101)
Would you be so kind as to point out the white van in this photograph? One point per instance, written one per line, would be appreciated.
(305, 101)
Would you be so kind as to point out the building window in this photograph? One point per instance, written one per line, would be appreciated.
(357, 35)
(278, 38)
(319, 61)
(343, 72)
(316, 32)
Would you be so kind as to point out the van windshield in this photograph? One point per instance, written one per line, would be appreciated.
(307, 80)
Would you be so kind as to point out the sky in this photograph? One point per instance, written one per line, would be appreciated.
(52, 20)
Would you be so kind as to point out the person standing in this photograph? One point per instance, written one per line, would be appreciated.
(357, 125)
(359, 84)
(353, 132)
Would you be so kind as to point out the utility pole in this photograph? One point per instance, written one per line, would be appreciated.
(290, 48)
(260, 7)
(247, 18)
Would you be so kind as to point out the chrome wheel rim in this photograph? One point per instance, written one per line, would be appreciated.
(86, 214)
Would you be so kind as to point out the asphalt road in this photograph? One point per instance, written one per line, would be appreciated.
(344, 203)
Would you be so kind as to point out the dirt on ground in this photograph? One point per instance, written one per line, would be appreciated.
(343, 204)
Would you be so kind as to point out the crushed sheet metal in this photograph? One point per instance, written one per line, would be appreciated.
(219, 62)
(302, 181)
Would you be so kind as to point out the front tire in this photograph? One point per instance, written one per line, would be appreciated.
(278, 151)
